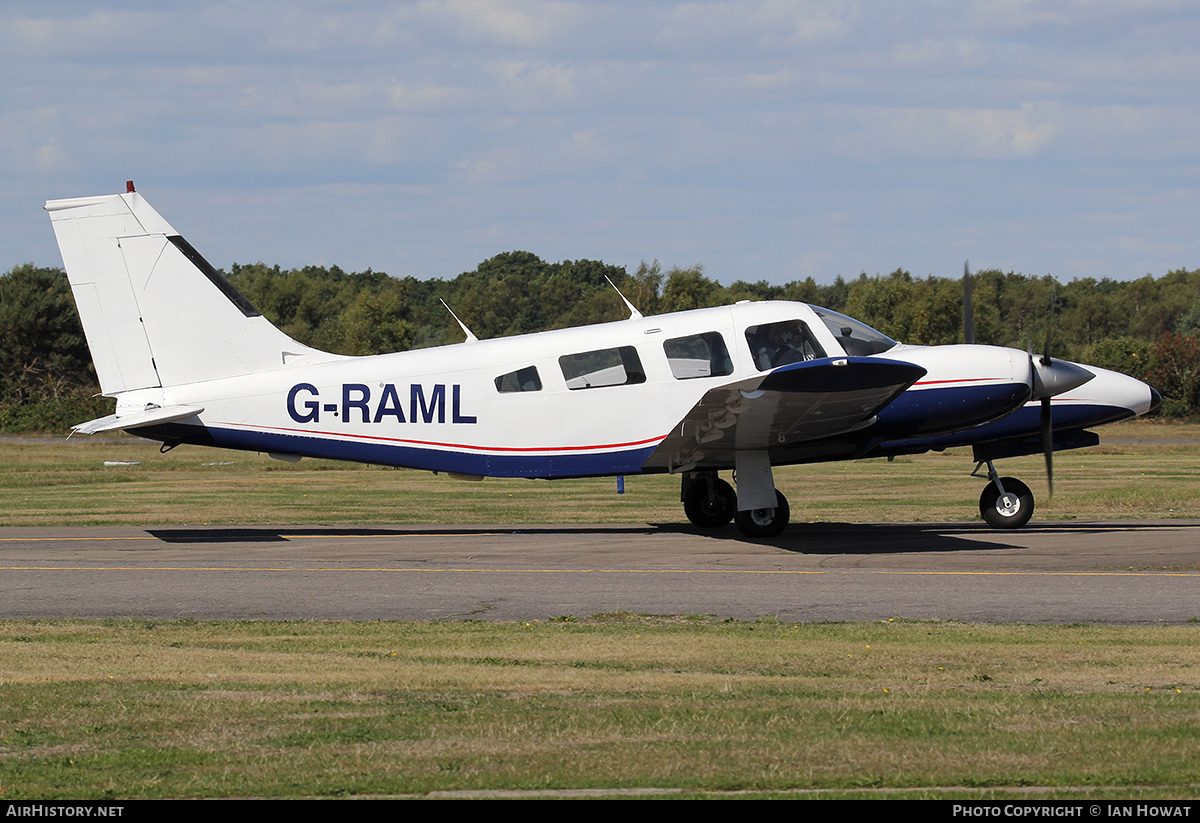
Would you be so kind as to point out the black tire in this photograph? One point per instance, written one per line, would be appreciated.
(1001, 516)
(765, 522)
(710, 514)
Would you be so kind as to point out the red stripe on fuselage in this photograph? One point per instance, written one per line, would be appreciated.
(457, 446)
(964, 380)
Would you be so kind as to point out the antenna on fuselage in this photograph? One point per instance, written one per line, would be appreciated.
(634, 314)
(471, 338)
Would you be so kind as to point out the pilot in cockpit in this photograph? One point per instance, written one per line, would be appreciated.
(777, 344)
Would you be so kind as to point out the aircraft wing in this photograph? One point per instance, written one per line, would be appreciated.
(790, 405)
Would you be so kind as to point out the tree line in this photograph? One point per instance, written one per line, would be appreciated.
(1148, 328)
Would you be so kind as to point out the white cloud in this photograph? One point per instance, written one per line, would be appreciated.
(428, 98)
(769, 24)
(79, 35)
(519, 23)
(728, 132)
(529, 85)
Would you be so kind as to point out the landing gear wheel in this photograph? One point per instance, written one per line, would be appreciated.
(765, 522)
(710, 513)
(1010, 512)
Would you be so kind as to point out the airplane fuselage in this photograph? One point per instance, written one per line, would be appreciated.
(450, 408)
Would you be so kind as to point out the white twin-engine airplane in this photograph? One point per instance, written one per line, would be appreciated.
(743, 387)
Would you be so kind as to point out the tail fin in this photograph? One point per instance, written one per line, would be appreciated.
(155, 313)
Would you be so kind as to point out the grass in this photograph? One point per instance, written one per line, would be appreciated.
(49, 481)
(186, 709)
(614, 702)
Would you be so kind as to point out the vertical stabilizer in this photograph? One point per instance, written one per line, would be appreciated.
(154, 311)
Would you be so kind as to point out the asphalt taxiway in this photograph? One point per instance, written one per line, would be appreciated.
(1120, 572)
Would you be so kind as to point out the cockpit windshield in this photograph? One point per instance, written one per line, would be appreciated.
(855, 338)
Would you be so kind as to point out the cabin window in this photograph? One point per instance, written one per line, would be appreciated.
(855, 337)
(777, 344)
(525, 379)
(698, 355)
(606, 367)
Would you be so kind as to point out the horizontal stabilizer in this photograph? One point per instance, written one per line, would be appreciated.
(793, 404)
(132, 420)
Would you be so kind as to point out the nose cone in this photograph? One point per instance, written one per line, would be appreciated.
(1114, 390)
(1059, 377)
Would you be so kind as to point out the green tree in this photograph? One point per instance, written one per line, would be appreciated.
(645, 288)
(376, 323)
(46, 378)
(689, 289)
(42, 348)
(1127, 355)
(1176, 373)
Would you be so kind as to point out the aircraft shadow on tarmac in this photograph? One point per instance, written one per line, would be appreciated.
(900, 538)
(800, 538)
(275, 534)
(876, 538)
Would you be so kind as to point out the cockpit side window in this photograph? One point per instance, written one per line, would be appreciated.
(525, 379)
(777, 344)
(698, 355)
(855, 337)
(605, 367)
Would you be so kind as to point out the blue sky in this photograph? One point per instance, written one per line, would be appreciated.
(767, 140)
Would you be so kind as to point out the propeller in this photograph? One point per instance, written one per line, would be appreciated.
(1049, 377)
(968, 309)
(1047, 416)
(1048, 444)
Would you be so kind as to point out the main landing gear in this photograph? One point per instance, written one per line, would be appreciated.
(765, 522)
(1006, 503)
(710, 503)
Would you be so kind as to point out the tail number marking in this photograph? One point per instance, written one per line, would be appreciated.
(304, 404)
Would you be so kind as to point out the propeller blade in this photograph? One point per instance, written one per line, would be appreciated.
(1048, 380)
(968, 309)
(1046, 361)
(1051, 377)
(1048, 443)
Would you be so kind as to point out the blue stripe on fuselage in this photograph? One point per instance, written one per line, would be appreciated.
(1025, 422)
(563, 464)
(949, 409)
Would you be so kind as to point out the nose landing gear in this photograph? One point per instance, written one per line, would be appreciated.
(1006, 503)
